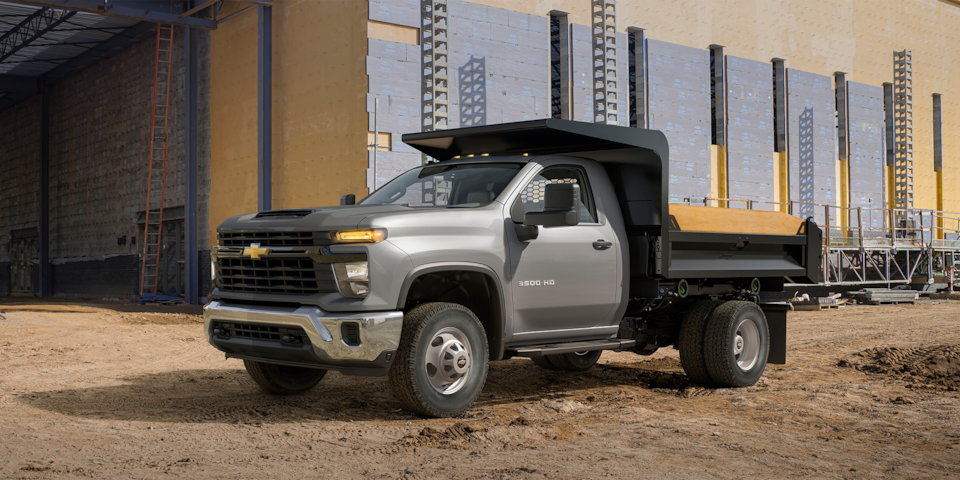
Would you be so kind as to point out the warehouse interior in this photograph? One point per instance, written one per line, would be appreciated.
(845, 111)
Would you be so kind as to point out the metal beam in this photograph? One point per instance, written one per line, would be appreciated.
(191, 256)
(44, 214)
(264, 108)
(157, 11)
(198, 8)
(37, 24)
(236, 14)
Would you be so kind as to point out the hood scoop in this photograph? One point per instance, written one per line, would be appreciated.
(284, 214)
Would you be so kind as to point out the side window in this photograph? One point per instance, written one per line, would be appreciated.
(532, 197)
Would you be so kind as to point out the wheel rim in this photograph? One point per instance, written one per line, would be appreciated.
(448, 360)
(746, 344)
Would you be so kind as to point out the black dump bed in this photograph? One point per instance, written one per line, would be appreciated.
(637, 162)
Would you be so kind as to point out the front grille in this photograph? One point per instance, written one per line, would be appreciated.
(297, 275)
(274, 239)
(286, 334)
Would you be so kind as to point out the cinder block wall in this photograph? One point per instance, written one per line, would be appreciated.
(99, 139)
(19, 176)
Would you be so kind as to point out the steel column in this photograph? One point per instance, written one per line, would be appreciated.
(780, 122)
(889, 142)
(191, 264)
(637, 51)
(44, 218)
(938, 157)
(559, 65)
(718, 109)
(264, 108)
(843, 142)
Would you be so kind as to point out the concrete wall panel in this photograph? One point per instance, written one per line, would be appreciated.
(867, 151)
(813, 143)
(680, 106)
(750, 131)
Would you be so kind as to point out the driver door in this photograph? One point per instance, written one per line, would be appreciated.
(564, 281)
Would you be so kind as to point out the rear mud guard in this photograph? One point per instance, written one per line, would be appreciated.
(776, 314)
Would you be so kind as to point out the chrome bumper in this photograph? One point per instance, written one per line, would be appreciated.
(379, 335)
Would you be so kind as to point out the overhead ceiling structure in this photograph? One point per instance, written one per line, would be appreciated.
(46, 40)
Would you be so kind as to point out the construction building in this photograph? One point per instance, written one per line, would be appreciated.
(847, 111)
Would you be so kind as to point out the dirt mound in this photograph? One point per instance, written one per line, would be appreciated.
(936, 367)
(454, 436)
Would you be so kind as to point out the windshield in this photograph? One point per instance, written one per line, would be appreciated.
(463, 185)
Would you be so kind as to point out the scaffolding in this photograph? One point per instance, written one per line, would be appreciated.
(433, 44)
(605, 90)
(875, 249)
(903, 132)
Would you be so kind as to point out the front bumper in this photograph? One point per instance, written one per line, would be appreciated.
(378, 334)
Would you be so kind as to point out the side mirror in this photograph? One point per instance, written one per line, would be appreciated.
(348, 199)
(561, 206)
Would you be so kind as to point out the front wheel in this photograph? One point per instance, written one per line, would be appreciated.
(736, 343)
(442, 359)
(283, 379)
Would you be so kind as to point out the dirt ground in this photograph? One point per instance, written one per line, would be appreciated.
(116, 390)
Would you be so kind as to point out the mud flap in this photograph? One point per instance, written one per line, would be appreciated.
(776, 314)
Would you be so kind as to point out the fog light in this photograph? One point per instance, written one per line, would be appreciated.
(352, 278)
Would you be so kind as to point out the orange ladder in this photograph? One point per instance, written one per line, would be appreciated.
(157, 166)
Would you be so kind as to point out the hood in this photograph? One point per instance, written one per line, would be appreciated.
(307, 219)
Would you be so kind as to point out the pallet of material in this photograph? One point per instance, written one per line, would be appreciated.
(876, 296)
(814, 307)
(888, 302)
(816, 304)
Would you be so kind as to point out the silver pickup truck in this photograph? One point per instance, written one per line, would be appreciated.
(546, 239)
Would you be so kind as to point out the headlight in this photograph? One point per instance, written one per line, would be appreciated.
(364, 235)
(352, 278)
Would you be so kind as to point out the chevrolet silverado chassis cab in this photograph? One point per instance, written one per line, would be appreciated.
(547, 239)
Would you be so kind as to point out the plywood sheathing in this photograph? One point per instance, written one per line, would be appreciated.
(319, 126)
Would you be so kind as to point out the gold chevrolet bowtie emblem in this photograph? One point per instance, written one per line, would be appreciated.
(255, 251)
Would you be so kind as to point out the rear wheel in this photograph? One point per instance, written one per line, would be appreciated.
(736, 344)
(690, 343)
(543, 362)
(441, 363)
(283, 379)
(576, 361)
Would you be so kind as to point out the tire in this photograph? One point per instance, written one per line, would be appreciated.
(690, 343)
(543, 362)
(427, 376)
(736, 344)
(282, 379)
(575, 362)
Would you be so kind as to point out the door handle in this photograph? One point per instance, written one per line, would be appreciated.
(602, 245)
